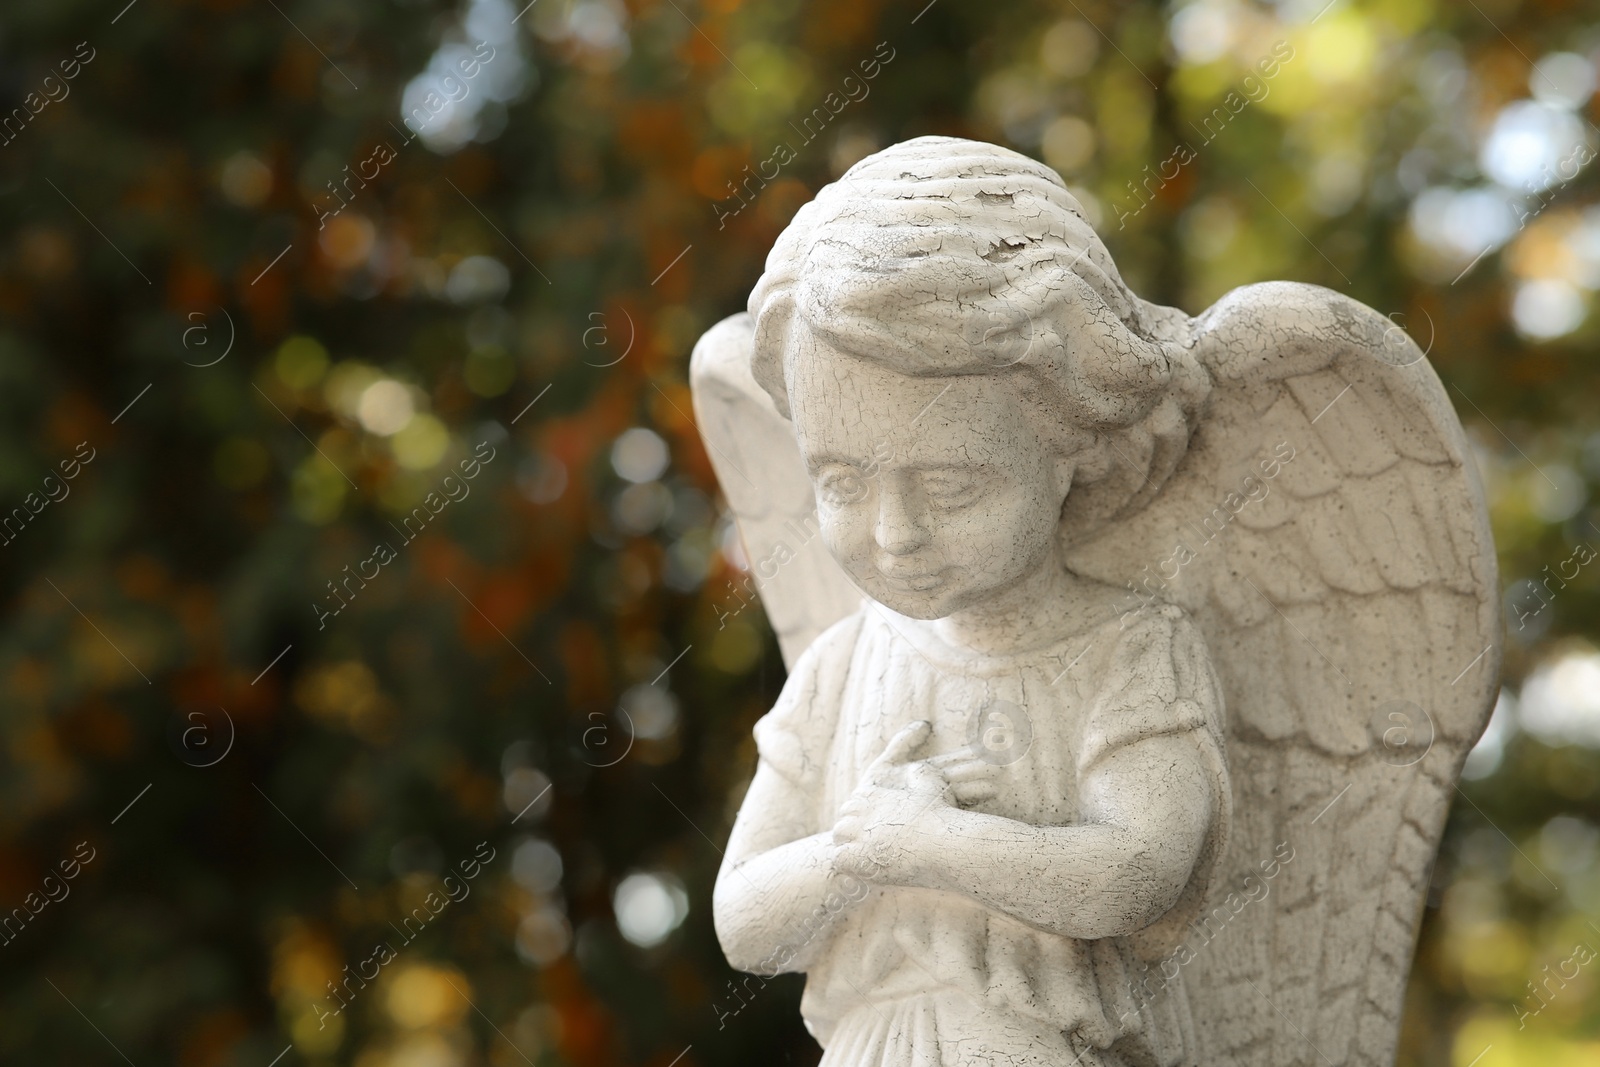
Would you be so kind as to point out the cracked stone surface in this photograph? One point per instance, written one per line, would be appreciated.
(1133, 655)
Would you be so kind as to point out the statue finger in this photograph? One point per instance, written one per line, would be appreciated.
(853, 860)
(921, 778)
(905, 743)
(977, 792)
(970, 770)
(966, 752)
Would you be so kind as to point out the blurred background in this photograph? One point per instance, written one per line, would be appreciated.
(375, 683)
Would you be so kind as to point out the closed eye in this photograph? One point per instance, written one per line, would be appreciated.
(955, 488)
(840, 484)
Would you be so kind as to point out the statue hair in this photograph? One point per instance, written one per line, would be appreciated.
(940, 257)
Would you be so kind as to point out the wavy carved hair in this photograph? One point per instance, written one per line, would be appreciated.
(940, 257)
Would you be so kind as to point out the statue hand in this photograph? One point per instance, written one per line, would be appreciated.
(969, 773)
(886, 818)
(874, 834)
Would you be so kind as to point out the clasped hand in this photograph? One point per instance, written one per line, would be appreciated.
(897, 804)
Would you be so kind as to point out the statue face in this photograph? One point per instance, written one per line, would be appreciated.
(934, 494)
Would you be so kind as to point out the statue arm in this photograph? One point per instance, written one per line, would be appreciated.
(777, 894)
(1147, 809)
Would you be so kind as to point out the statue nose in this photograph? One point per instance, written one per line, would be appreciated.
(901, 529)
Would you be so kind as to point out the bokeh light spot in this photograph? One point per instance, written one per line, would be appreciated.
(422, 995)
(1068, 49)
(422, 444)
(649, 906)
(639, 455)
(536, 866)
(1562, 79)
(245, 180)
(300, 362)
(477, 279)
(1561, 700)
(1546, 308)
(1068, 143)
(347, 240)
(385, 408)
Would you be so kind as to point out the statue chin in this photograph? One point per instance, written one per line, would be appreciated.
(937, 601)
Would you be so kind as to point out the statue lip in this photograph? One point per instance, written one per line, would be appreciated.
(919, 581)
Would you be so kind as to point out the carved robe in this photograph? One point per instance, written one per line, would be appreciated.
(914, 976)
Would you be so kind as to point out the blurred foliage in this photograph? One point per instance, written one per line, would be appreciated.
(283, 713)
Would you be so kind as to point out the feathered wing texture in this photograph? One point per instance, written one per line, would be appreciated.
(1340, 591)
(758, 465)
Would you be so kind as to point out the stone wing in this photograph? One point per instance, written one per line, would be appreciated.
(1328, 532)
(753, 450)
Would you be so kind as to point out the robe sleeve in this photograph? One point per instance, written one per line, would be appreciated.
(1159, 682)
(795, 738)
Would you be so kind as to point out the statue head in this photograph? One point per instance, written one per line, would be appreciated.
(969, 378)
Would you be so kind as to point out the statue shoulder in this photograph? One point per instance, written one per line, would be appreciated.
(796, 733)
(1155, 678)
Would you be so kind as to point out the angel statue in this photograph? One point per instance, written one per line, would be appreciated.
(1133, 656)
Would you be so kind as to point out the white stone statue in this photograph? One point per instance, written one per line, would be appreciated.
(1133, 656)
